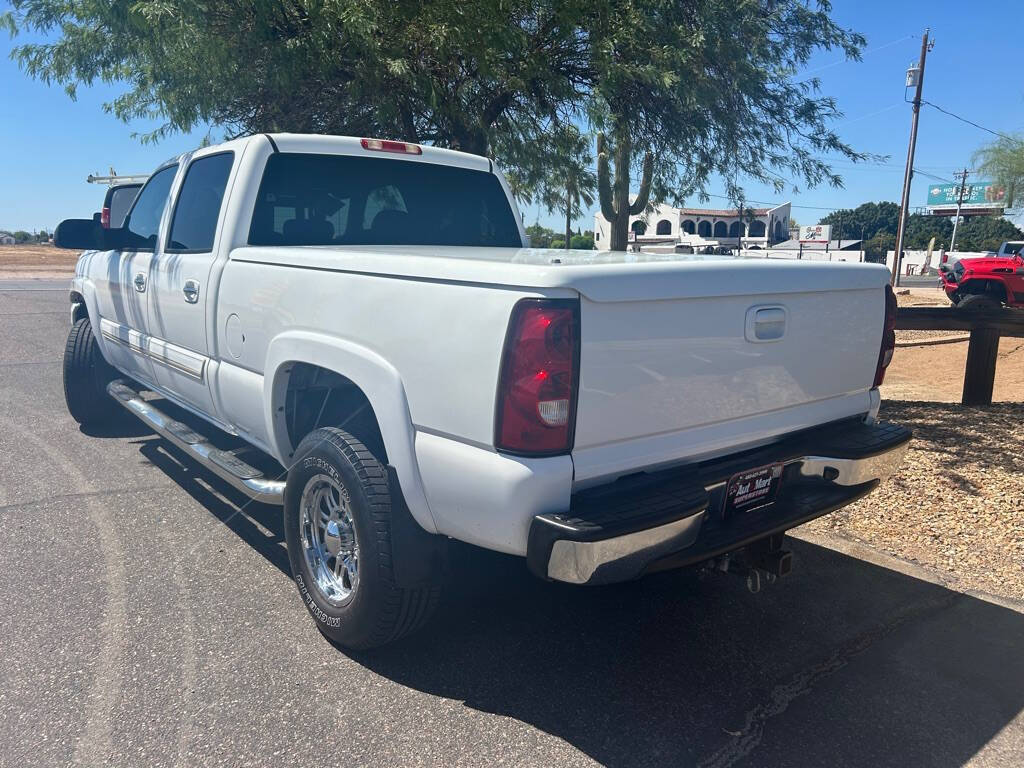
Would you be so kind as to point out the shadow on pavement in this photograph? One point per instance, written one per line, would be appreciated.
(841, 663)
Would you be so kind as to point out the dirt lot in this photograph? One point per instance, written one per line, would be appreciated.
(36, 261)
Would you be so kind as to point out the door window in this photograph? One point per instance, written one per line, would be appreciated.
(143, 223)
(194, 223)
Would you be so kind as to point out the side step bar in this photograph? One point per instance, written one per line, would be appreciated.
(224, 464)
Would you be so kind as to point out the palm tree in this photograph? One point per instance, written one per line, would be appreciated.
(570, 184)
(1003, 161)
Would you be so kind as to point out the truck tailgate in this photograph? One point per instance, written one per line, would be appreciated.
(673, 379)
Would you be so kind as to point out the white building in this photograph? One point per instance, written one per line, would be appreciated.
(6, 238)
(664, 225)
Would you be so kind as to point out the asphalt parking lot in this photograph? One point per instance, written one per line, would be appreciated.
(149, 620)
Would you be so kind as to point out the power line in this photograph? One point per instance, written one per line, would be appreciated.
(971, 122)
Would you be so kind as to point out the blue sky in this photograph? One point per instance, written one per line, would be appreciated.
(49, 143)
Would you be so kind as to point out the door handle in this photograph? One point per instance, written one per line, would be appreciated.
(140, 282)
(191, 291)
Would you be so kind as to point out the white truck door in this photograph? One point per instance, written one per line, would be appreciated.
(122, 290)
(180, 276)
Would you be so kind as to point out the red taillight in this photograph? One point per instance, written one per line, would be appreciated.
(888, 336)
(385, 145)
(536, 407)
(105, 218)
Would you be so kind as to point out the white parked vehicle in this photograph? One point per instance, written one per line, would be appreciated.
(364, 316)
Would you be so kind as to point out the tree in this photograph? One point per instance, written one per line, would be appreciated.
(540, 237)
(490, 77)
(986, 233)
(584, 242)
(710, 87)
(868, 219)
(1003, 160)
(875, 248)
(21, 236)
(569, 184)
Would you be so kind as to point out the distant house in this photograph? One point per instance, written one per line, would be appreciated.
(698, 227)
(6, 238)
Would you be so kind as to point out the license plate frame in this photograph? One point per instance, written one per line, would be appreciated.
(747, 490)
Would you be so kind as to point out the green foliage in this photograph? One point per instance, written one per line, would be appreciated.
(583, 242)
(21, 236)
(558, 243)
(711, 87)
(867, 218)
(569, 183)
(880, 221)
(492, 77)
(706, 86)
(985, 233)
(876, 247)
(1003, 161)
(540, 237)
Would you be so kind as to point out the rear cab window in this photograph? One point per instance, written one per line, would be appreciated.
(316, 199)
(119, 201)
(197, 209)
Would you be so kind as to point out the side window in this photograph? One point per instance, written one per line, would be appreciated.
(143, 222)
(198, 207)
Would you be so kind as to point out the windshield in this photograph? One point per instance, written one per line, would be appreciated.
(307, 199)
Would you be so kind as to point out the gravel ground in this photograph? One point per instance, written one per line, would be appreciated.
(957, 503)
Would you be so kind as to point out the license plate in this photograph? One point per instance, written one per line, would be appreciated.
(753, 488)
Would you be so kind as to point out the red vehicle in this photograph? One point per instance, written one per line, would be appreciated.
(985, 282)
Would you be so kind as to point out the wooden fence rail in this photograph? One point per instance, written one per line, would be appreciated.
(986, 327)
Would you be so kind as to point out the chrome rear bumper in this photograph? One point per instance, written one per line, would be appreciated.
(574, 549)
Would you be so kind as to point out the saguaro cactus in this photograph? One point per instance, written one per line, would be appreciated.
(615, 205)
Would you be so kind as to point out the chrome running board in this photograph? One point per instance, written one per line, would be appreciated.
(224, 464)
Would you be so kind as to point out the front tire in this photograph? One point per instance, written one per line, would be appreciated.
(978, 301)
(86, 375)
(337, 522)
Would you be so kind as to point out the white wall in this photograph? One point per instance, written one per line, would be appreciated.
(917, 259)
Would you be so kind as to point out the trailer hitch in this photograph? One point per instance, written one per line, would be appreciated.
(761, 563)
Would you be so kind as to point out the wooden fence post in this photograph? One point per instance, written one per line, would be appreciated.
(980, 378)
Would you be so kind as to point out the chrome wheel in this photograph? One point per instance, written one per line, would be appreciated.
(329, 538)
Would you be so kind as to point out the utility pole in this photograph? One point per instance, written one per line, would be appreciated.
(959, 205)
(926, 45)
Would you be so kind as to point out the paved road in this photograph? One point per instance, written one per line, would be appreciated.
(150, 621)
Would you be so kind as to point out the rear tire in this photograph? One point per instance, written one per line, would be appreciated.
(979, 301)
(86, 375)
(344, 573)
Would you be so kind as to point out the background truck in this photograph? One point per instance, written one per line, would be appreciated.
(366, 340)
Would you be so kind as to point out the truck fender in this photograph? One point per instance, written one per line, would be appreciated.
(379, 381)
(84, 288)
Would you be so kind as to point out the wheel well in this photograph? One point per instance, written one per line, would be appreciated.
(318, 397)
(81, 310)
(993, 288)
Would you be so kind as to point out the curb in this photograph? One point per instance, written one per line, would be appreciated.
(930, 342)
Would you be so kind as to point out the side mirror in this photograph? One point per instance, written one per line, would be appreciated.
(86, 235)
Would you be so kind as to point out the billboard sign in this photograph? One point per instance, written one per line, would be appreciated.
(816, 233)
(982, 194)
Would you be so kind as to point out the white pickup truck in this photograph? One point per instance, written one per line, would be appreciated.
(370, 342)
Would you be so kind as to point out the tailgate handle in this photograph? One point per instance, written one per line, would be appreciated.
(765, 323)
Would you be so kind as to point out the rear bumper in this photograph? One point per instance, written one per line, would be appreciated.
(673, 518)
